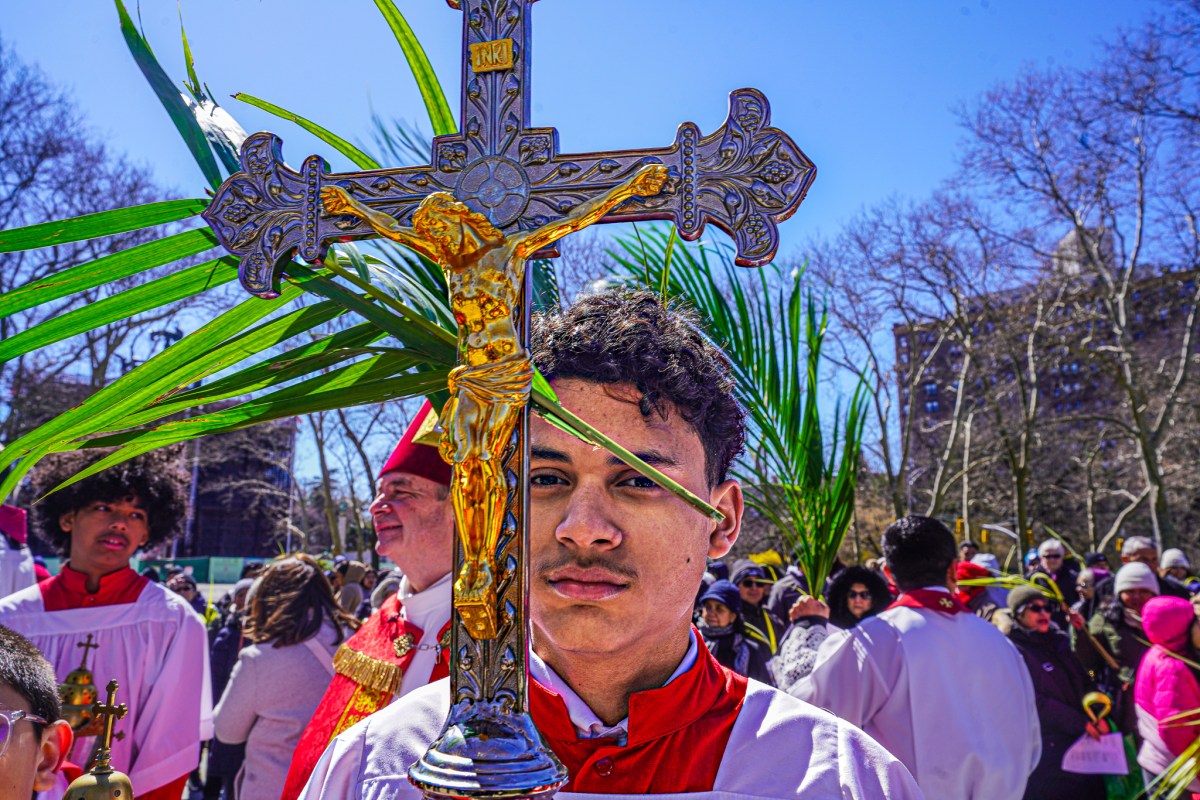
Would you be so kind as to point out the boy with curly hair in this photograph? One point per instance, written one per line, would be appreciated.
(145, 636)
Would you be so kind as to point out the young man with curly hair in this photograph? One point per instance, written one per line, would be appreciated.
(623, 690)
(143, 635)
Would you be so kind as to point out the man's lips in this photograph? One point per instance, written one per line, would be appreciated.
(113, 541)
(591, 583)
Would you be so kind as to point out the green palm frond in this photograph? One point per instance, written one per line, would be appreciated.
(1175, 780)
(773, 333)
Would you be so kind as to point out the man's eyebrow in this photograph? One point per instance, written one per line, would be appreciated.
(655, 458)
(549, 454)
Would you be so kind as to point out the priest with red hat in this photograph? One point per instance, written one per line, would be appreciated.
(403, 645)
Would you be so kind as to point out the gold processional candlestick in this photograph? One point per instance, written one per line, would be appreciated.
(102, 782)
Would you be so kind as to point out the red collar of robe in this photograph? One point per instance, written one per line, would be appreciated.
(68, 589)
(677, 734)
(942, 602)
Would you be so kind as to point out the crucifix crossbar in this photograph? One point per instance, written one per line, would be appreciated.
(745, 178)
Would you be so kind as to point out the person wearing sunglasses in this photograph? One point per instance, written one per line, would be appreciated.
(855, 593)
(1059, 684)
(753, 586)
(33, 739)
(1056, 564)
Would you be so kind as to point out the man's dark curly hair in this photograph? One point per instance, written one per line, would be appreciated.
(158, 479)
(621, 336)
(918, 551)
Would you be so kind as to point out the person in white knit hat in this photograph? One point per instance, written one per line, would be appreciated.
(1175, 565)
(1117, 627)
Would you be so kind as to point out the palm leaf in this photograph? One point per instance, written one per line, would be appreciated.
(107, 269)
(356, 156)
(170, 97)
(440, 116)
(224, 134)
(155, 294)
(103, 223)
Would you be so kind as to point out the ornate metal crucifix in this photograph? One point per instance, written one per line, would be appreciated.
(745, 178)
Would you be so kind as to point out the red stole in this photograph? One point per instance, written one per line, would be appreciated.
(677, 734)
(942, 602)
(368, 675)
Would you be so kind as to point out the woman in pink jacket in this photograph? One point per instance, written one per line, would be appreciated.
(1165, 685)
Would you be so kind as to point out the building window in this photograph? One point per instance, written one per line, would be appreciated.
(903, 340)
(931, 406)
(931, 389)
(903, 357)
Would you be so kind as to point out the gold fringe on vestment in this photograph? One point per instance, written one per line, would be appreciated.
(367, 671)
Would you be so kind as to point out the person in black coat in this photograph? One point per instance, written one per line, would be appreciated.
(1059, 684)
(725, 635)
(224, 760)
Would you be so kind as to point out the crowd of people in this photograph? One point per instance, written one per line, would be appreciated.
(659, 664)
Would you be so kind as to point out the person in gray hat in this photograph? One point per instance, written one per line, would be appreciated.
(1059, 684)
(1175, 568)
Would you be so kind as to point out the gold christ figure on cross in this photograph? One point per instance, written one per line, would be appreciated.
(485, 272)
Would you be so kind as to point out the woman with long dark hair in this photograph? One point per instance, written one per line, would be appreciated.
(294, 624)
(854, 594)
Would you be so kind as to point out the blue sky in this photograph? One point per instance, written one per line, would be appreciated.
(865, 88)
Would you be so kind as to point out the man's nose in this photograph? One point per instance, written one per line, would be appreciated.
(587, 520)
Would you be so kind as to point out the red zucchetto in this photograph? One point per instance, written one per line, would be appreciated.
(419, 459)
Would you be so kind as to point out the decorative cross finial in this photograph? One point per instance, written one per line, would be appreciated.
(111, 713)
(88, 645)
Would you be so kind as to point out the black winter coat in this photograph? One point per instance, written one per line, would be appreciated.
(1059, 684)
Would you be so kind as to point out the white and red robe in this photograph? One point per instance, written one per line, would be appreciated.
(706, 732)
(152, 642)
(941, 689)
(370, 672)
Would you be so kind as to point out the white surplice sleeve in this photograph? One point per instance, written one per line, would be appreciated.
(846, 680)
(337, 775)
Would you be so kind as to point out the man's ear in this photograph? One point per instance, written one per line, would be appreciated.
(726, 498)
(66, 521)
(56, 743)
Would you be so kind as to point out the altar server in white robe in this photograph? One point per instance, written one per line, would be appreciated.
(143, 635)
(936, 685)
(16, 562)
(623, 690)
